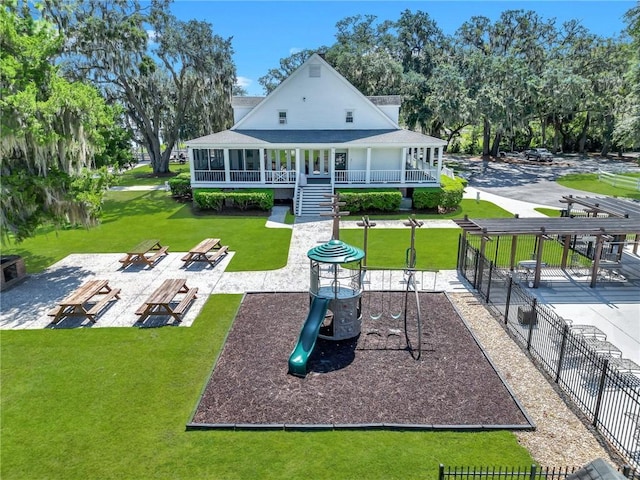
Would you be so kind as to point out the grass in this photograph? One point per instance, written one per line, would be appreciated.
(589, 182)
(143, 175)
(132, 216)
(112, 403)
(469, 207)
(549, 212)
(436, 248)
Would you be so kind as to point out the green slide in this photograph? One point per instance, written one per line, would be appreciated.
(308, 335)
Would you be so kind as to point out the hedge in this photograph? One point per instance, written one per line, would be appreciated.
(448, 196)
(213, 199)
(180, 185)
(367, 200)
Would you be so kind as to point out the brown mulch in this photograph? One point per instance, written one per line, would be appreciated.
(372, 379)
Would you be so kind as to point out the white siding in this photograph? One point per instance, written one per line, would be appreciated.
(357, 158)
(391, 111)
(314, 103)
(240, 112)
(386, 158)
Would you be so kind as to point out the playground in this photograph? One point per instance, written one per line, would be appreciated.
(365, 382)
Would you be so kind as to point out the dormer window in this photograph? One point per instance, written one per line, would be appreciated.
(349, 116)
(282, 117)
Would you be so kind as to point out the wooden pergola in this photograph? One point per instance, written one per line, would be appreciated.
(603, 229)
(613, 207)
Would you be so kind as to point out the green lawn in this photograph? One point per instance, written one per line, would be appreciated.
(549, 212)
(130, 217)
(143, 175)
(112, 403)
(589, 183)
(469, 207)
(436, 248)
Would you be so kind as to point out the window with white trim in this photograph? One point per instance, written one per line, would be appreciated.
(282, 117)
(349, 116)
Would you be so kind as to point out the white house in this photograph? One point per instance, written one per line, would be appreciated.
(314, 133)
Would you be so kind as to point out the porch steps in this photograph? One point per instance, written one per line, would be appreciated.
(312, 196)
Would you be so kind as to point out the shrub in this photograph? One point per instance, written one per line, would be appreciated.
(446, 197)
(209, 198)
(214, 199)
(180, 185)
(367, 200)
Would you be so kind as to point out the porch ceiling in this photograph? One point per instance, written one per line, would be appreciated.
(391, 137)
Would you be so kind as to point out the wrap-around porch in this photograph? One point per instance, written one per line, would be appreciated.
(288, 167)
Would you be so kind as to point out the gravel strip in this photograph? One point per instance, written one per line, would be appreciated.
(561, 438)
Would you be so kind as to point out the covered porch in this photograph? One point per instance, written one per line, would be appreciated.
(281, 159)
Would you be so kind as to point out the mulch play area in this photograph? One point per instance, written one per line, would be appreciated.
(370, 381)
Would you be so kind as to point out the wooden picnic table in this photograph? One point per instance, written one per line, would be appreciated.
(78, 303)
(139, 253)
(159, 302)
(208, 250)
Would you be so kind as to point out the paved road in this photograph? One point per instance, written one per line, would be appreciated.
(532, 181)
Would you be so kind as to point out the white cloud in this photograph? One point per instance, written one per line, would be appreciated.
(152, 36)
(293, 50)
(243, 82)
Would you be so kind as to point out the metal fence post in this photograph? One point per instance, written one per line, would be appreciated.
(532, 475)
(506, 307)
(533, 319)
(603, 377)
(441, 472)
(489, 283)
(565, 332)
(475, 271)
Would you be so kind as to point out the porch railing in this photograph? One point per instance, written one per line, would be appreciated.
(245, 176)
(385, 176)
(288, 177)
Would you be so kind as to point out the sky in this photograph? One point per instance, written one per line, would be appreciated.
(265, 31)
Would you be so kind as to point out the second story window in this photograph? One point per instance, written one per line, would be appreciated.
(282, 118)
(349, 116)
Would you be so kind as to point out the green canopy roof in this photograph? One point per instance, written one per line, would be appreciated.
(335, 251)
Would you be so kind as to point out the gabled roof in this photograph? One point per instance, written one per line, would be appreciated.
(315, 58)
(257, 138)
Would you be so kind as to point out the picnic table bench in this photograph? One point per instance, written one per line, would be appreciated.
(159, 302)
(138, 254)
(78, 303)
(208, 250)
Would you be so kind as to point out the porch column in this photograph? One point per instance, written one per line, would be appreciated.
(332, 166)
(403, 165)
(297, 163)
(227, 166)
(368, 171)
(432, 152)
(262, 162)
(191, 165)
(439, 163)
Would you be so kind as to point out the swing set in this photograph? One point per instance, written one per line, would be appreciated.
(409, 308)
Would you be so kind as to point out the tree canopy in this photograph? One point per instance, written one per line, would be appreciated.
(50, 130)
(517, 81)
(174, 78)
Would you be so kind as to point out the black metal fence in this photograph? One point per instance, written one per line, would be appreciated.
(534, 472)
(609, 399)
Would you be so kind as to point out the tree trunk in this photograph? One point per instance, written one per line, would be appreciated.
(583, 135)
(607, 135)
(543, 124)
(486, 137)
(495, 148)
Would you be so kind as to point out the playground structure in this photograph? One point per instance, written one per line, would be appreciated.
(335, 311)
(337, 275)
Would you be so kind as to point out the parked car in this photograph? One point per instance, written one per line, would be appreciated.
(539, 155)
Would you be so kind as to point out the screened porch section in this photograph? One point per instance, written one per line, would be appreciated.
(338, 166)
